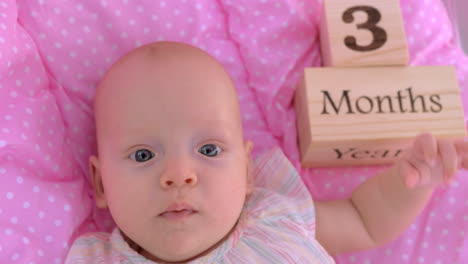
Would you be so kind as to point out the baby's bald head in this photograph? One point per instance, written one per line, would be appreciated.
(165, 78)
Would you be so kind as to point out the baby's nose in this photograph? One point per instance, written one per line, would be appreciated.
(178, 178)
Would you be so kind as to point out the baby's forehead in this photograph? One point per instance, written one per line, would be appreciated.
(178, 82)
(167, 68)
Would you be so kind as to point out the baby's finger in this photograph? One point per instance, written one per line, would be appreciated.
(461, 147)
(426, 144)
(449, 158)
(424, 175)
(463, 161)
(410, 174)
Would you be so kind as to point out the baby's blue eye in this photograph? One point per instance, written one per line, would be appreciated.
(141, 155)
(210, 150)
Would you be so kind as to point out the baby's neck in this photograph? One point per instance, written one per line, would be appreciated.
(141, 251)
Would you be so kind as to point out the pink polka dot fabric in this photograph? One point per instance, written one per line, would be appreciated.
(53, 53)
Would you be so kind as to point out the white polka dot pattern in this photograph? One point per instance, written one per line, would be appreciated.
(53, 53)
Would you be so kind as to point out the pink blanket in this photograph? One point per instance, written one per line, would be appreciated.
(52, 54)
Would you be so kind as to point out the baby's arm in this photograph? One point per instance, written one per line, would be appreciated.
(385, 205)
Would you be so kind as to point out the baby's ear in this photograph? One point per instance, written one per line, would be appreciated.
(248, 145)
(96, 181)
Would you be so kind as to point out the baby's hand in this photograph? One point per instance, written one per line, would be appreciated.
(431, 161)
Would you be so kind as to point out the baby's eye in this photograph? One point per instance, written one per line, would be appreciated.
(141, 155)
(210, 150)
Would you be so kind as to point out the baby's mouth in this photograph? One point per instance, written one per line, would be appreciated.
(178, 215)
(178, 211)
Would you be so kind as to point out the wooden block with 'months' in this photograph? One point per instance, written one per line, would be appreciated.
(370, 115)
(362, 33)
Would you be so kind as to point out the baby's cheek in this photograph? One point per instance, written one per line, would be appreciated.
(226, 208)
(125, 200)
(231, 197)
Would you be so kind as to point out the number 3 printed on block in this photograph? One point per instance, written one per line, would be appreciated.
(379, 36)
(343, 44)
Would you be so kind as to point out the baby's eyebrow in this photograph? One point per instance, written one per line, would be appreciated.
(223, 125)
(126, 143)
(221, 132)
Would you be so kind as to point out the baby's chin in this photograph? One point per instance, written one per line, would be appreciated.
(185, 252)
(179, 255)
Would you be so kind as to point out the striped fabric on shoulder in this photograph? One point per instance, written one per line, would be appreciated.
(274, 172)
(103, 248)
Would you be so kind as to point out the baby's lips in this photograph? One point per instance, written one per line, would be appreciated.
(178, 207)
(178, 211)
(177, 215)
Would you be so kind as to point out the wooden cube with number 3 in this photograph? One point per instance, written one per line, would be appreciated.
(363, 33)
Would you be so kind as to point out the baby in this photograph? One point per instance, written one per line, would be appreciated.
(177, 176)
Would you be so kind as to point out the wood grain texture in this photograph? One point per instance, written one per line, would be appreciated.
(369, 115)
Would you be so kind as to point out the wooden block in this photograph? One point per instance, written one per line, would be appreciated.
(363, 33)
(363, 116)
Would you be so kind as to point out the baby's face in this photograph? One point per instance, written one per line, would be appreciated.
(172, 161)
